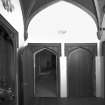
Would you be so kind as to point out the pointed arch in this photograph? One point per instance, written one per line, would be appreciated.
(45, 49)
(54, 2)
(78, 24)
(81, 48)
(47, 59)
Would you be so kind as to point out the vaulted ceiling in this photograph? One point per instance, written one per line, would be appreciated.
(95, 8)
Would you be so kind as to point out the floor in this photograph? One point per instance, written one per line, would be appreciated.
(67, 101)
(46, 86)
(8, 103)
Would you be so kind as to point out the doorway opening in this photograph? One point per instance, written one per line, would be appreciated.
(45, 74)
(7, 68)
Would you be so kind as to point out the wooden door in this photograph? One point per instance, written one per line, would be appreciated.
(80, 73)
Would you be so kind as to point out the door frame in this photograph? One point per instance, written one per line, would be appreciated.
(55, 47)
(69, 47)
(34, 59)
(32, 48)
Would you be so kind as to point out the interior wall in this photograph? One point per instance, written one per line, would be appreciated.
(62, 23)
(61, 31)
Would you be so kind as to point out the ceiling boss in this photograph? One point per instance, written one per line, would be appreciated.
(7, 4)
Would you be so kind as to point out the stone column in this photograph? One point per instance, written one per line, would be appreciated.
(99, 71)
(63, 72)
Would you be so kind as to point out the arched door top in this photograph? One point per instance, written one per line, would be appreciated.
(45, 49)
(81, 49)
(55, 48)
(89, 47)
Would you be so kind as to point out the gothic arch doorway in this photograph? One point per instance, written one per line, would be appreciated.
(81, 71)
(8, 63)
(45, 73)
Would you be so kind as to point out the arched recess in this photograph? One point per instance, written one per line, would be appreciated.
(81, 73)
(8, 60)
(27, 69)
(30, 17)
(46, 77)
(78, 30)
(81, 82)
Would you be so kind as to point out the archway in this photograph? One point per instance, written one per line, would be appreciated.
(87, 6)
(62, 22)
(8, 63)
(8, 93)
(45, 74)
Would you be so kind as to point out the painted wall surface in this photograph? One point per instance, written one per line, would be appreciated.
(15, 19)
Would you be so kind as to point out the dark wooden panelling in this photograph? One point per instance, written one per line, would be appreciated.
(27, 66)
(52, 46)
(5, 63)
(103, 54)
(103, 48)
(8, 57)
(27, 70)
(81, 70)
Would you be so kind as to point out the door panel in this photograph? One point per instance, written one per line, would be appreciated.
(27, 75)
(81, 64)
